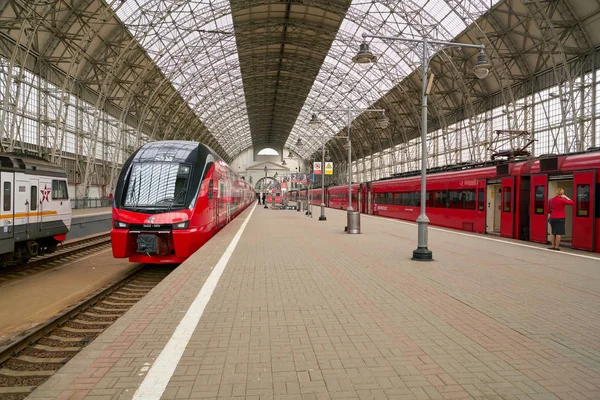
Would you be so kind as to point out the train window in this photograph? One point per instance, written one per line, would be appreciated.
(33, 205)
(454, 199)
(481, 199)
(507, 195)
(439, 199)
(7, 196)
(582, 201)
(59, 190)
(539, 205)
(463, 199)
(210, 189)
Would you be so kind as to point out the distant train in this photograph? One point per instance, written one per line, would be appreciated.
(171, 198)
(509, 199)
(36, 211)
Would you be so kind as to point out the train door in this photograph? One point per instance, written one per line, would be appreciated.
(566, 184)
(493, 210)
(21, 207)
(583, 215)
(360, 197)
(480, 206)
(6, 200)
(35, 211)
(539, 216)
(508, 207)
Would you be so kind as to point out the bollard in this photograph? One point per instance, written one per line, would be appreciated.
(353, 225)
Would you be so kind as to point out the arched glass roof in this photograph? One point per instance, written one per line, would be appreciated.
(195, 46)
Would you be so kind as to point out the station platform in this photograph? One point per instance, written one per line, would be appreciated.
(282, 306)
(90, 221)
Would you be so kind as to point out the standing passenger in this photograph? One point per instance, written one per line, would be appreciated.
(258, 198)
(557, 216)
(264, 198)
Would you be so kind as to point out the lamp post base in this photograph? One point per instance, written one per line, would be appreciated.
(322, 217)
(422, 254)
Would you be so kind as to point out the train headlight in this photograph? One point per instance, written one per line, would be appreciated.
(181, 225)
(121, 225)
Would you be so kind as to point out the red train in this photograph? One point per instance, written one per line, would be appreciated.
(508, 199)
(171, 198)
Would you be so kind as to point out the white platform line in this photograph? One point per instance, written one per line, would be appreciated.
(455, 232)
(162, 370)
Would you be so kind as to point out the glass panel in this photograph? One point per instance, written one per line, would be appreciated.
(7, 197)
(540, 201)
(481, 199)
(157, 185)
(33, 205)
(59, 190)
(507, 192)
(583, 200)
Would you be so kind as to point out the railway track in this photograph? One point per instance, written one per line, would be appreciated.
(30, 361)
(64, 253)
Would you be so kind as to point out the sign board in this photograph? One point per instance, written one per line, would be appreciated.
(304, 179)
(294, 177)
(328, 168)
(317, 168)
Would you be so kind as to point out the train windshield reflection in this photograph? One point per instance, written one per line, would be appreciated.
(157, 185)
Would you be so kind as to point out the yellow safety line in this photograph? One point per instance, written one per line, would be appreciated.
(23, 215)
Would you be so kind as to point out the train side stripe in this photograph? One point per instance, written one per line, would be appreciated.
(155, 383)
(33, 214)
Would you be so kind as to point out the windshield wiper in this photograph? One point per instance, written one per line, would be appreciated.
(183, 190)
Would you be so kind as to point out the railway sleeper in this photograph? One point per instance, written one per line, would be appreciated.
(55, 349)
(42, 360)
(68, 339)
(75, 330)
(17, 389)
(14, 373)
(94, 315)
(83, 322)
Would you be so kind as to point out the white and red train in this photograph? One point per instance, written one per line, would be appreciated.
(508, 199)
(35, 209)
(171, 198)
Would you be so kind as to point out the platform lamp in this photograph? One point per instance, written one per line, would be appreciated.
(480, 69)
(353, 217)
(264, 188)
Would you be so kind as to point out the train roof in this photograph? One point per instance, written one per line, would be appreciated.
(174, 151)
(469, 166)
(21, 162)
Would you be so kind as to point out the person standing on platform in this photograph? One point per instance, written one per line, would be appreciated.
(557, 216)
(264, 198)
(258, 198)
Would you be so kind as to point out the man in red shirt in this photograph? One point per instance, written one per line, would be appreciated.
(557, 216)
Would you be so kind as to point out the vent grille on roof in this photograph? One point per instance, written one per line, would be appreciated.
(21, 163)
(548, 164)
(502, 169)
(6, 162)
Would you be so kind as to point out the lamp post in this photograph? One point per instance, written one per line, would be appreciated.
(481, 70)
(264, 188)
(353, 218)
(299, 144)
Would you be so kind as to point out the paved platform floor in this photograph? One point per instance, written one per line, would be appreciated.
(305, 311)
(91, 211)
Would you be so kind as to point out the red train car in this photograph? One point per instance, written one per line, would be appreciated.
(508, 199)
(170, 199)
(338, 197)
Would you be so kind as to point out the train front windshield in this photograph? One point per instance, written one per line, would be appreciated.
(158, 185)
